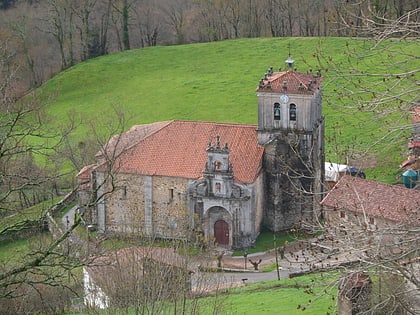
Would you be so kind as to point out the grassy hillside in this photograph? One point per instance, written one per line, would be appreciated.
(217, 82)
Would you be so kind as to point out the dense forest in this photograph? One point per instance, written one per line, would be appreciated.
(48, 36)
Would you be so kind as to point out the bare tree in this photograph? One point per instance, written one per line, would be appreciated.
(83, 11)
(27, 176)
(233, 16)
(60, 24)
(149, 20)
(121, 16)
(379, 255)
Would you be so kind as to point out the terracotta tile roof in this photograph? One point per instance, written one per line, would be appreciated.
(290, 82)
(178, 149)
(121, 142)
(394, 203)
(85, 172)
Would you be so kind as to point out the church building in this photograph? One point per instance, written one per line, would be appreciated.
(221, 182)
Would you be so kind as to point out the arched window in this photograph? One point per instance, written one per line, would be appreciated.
(292, 112)
(276, 111)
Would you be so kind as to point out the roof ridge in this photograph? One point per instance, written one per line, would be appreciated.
(216, 123)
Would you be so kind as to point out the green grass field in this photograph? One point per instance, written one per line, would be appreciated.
(313, 294)
(217, 81)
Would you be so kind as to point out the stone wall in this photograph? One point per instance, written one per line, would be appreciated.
(148, 205)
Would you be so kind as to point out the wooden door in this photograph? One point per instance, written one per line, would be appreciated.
(221, 232)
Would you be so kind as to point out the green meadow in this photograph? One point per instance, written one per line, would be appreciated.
(309, 294)
(217, 82)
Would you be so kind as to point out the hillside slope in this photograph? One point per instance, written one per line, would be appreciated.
(216, 82)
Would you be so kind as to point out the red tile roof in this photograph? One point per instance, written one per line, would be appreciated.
(293, 81)
(394, 203)
(178, 149)
(85, 172)
(121, 142)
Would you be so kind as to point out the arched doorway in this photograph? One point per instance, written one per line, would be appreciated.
(221, 232)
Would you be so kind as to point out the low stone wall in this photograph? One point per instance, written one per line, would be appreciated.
(53, 226)
(25, 228)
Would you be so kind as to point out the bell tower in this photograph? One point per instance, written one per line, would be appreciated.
(291, 129)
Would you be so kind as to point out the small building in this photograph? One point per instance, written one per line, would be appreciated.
(334, 171)
(378, 224)
(135, 274)
(370, 205)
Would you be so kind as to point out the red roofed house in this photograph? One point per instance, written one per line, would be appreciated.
(370, 204)
(378, 223)
(221, 180)
(363, 213)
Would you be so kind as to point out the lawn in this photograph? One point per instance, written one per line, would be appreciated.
(267, 241)
(217, 82)
(281, 300)
(309, 294)
(33, 213)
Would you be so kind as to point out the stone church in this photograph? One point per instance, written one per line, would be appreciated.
(219, 181)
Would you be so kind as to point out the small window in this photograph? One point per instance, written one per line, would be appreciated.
(276, 111)
(342, 214)
(371, 220)
(124, 192)
(292, 112)
(217, 165)
(171, 194)
(218, 187)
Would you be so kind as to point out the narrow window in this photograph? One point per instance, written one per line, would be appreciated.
(171, 194)
(292, 112)
(342, 214)
(371, 220)
(218, 187)
(276, 111)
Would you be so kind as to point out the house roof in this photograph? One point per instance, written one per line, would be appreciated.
(178, 149)
(391, 202)
(118, 143)
(85, 172)
(290, 82)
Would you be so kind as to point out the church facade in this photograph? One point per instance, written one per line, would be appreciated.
(222, 182)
